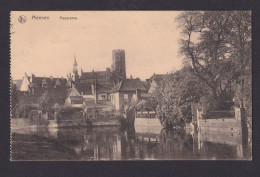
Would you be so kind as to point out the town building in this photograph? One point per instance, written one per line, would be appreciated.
(155, 82)
(74, 98)
(31, 88)
(125, 92)
(109, 87)
(97, 84)
(38, 85)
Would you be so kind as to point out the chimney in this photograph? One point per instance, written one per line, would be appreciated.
(33, 77)
(96, 94)
(96, 91)
(137, 94)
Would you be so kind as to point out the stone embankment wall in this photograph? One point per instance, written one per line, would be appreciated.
(231, 124)
(106, 122)
(223, 137)
(19, 123)
(70, 120)
(147, 122)
(226, 130)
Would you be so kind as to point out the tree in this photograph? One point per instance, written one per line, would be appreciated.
(217, 48)
(14, 99)
(149, 104)
(177, 93)
(46, 100)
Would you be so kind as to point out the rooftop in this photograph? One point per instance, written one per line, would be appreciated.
(129, 85)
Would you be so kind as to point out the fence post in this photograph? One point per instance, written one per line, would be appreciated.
(240, 113)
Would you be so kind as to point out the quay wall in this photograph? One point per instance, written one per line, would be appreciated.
(106, 122)
(148, 125)
(224, 124)
(147, 122)
(222, 137)
(238, 123)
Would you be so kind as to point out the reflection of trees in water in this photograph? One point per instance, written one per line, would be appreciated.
(176, 145)
(102, 143)
(116, 144)
(166, 145)
(211, 150)
(36, 147)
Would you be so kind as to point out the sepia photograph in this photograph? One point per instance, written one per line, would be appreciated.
(130, 85)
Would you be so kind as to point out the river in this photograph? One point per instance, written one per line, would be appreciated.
(113, 143)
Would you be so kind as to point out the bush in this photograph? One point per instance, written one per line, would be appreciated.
(68, 109)
(22, 111)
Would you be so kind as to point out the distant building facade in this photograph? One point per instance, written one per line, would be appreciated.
(109, 87)
(30, 88)
(155, 82)
(125, 92)
(97, 84)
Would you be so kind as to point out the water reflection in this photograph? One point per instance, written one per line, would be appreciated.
(131, 144)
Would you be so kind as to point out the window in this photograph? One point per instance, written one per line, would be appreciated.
(103, 97)
(125, 97)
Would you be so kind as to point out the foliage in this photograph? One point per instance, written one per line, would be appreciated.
(46, 100)
(22, 110)
(149, 104)
(36, 118)
(217, 48)
(175, 98)
(14, 99)
(52, 96)
(67, 109)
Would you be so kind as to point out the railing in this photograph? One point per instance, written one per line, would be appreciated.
(221, 114)
(101, 114)
(229, 114)
(150, 115)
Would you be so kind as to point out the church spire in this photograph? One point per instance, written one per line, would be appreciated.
(75, 68)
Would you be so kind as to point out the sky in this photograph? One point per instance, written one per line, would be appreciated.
(47, 47)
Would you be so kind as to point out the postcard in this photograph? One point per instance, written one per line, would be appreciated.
(131, 85)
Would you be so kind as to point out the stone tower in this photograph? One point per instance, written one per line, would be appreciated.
(118, 63)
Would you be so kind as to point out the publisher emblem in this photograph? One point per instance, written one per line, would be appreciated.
(22, 19)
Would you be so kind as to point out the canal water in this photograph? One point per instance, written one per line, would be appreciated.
(113, 143)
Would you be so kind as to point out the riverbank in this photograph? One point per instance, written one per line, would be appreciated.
(26, 123)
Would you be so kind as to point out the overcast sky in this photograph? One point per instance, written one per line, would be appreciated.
(47, 47)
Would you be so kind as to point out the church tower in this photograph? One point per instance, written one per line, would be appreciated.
(118, 63)
(75, 71)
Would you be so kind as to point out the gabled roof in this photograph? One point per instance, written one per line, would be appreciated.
(104, 87)
(94, 75)
(72, 92)
(129, 85)
(48, 80)
(158, 77)
(57, 83)
(18, 83)
(84, 88)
